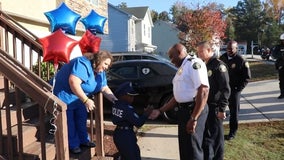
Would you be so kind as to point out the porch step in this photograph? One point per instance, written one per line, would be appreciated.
(29, 111)
(33, 151)
(29, 135)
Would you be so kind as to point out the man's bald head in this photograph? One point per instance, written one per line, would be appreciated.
(177, 53)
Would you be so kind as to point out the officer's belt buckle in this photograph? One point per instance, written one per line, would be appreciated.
(187, 105)
(123, 127)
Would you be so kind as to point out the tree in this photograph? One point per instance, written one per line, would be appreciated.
(256, 21)
(248, 18)
(204, 23)
(230, 30)
(154, 15)
(276, 7)
(272, 27)
(177, 9)
(122, 5)
(164, 16)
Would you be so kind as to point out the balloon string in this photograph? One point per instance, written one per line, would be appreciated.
(54, 112)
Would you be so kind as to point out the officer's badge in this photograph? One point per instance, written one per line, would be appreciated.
(247, 64)
(196, 65)
(179, 71)
(233, 65)
(222, 68)
(209, 72)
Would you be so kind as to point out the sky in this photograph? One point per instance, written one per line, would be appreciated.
(165, 5)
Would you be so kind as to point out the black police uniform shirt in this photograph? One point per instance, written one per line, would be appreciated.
(218, 76)
(239, 72)
(278, 53)
(123, 114)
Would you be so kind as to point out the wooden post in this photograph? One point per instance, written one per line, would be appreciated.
(61, 140)
(1, 33)
(99, 117)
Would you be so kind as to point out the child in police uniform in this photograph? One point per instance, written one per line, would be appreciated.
(125, 117)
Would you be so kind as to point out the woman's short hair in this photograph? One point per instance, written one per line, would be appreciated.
(101, 56)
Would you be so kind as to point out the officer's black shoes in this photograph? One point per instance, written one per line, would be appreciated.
(229, 137)
(76, 150)
(281, 96)
(89, 144)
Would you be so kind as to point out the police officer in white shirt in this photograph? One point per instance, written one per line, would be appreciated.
(190, 88)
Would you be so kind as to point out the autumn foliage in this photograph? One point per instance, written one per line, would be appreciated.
(199, 25)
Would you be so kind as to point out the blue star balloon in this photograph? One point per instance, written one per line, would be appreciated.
(63, 18)
(94, 22)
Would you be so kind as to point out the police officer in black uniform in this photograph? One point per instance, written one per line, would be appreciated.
(239, 74)
(219, 93)
(125, 117)
(278, 53)
(190, 89)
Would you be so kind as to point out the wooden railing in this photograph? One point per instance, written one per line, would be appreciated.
(20, 55)
(27, 82)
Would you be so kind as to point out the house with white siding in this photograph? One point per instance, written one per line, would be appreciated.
(130, 30)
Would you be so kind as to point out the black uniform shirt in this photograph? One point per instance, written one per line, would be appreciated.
(278, 53)
(239, 71)
(124, 114)
(218, 76)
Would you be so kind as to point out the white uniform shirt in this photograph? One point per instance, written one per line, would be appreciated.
(191, 74)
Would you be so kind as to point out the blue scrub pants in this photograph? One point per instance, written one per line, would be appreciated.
(77, 124)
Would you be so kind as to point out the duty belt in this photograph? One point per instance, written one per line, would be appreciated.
(187, 104)
(124, 127)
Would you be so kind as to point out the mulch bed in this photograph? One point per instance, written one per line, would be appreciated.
(109, 146)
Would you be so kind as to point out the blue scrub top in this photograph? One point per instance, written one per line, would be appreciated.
(82, 68)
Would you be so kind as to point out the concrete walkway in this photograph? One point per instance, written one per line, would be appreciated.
(259, 103)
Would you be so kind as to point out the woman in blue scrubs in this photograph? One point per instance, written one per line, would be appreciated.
(80, 78)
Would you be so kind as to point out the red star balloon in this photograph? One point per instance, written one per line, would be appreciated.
(90, 43)
(57, 47)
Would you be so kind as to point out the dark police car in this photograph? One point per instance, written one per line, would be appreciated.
(122, 56)
(152, 79)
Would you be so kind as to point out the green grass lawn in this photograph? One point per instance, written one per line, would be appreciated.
(257, 141)
(262, 71)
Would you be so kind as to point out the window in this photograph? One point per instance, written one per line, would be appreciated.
(124, 72)
(149, 29)
(148, 57)
(131, 57)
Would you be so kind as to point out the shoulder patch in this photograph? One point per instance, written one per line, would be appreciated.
(247, 64)
(209, 72)
(233, 65)
(196, 65)
(222, 68)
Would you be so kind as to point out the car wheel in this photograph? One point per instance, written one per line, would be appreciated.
(171, 115)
